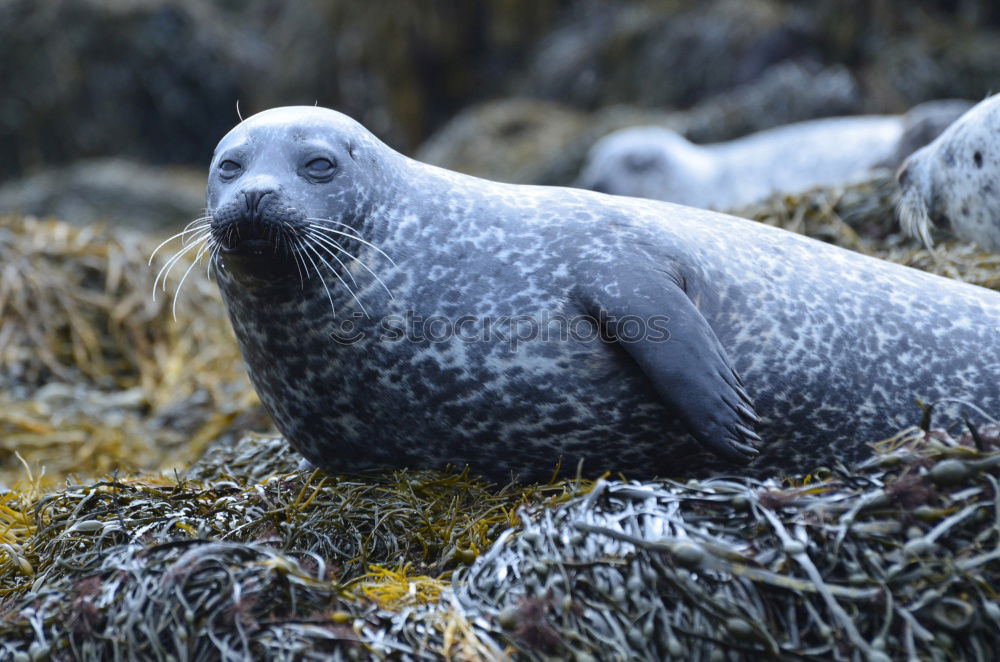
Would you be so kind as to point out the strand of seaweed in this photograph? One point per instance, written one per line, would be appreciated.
(897, 559)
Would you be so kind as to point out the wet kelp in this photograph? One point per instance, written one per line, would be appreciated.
(898, 558)
(195, 568)
(95, 375)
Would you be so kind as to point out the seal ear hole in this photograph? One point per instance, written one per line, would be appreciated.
(977, 158)
(350, 151)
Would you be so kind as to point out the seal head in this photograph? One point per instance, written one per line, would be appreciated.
(280, 183)
(954, 182)
(651, 162)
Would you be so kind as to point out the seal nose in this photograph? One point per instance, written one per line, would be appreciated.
(253, 200)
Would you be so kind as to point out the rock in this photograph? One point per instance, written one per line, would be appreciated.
(116, 191)
(639, 54)
(940, 61)
(512, 140)
(145, 80)
(791, 91)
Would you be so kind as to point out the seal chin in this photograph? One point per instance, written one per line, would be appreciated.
(262, 250)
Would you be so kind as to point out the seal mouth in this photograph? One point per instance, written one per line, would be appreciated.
(250, 247)
(252, 238)
(252, 232)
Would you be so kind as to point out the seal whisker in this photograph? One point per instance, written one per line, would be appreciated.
(177, 293)
(295, 248)
(353, 257)
(353, 229)
(183, 232)
(316, 252)
(333, 309)
(207, 223)
(212, 259)
(165, 270)
(205, 217)
(355, 237)
(330, 248)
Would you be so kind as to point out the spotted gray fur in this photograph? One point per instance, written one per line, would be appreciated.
(833, 347)
(954, 182)
(660, 164)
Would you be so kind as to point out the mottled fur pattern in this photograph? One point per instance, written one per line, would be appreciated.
(660, 164)
(833, 347)
(954, 182)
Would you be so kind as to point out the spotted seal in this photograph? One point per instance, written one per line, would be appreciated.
(658, 163)
(396, 314)
(954, 182)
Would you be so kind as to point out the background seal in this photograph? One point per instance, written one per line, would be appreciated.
(660, 164)
(954, 182)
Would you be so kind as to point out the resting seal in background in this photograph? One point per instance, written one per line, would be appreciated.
(954, 182)
(688, 329)
(660, 164)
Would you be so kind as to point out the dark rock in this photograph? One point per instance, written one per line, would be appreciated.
(145, 80)
(638, 53)
(512, 140)
(791, 91)
(116, 191)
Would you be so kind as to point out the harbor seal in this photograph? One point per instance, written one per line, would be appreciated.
(954, 182)
(395, 314)
(660, 164)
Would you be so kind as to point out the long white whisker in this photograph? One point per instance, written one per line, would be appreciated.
(333, 309)
(177, 293)
(340, 248)
(323, 228)
(353, 229)
(206, 217)
(171, 238)
(293, 244)
(212, 258)
(169, 264)
(329, 250)
(336, 275)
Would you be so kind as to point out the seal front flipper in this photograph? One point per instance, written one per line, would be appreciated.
(685, 362)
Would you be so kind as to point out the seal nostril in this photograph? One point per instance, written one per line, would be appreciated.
(978, 158)
(253, 200)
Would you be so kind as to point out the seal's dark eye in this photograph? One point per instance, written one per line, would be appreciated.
(320, 168)
(229, 169)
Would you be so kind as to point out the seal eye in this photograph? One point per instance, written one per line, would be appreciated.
(229, 169)
(320, 168)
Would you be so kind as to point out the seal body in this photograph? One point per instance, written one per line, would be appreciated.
(532, 324)
(954, 182)
(658, 163)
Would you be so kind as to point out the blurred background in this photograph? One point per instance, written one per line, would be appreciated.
(112, 108)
